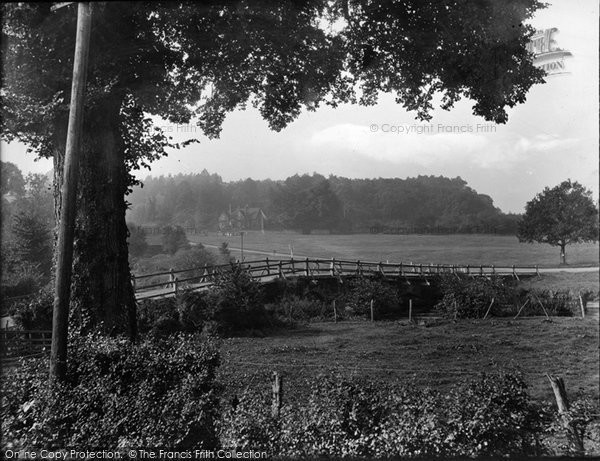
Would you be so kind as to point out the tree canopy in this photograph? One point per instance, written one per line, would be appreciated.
(308, 202)
(560, 216)
(201, 60)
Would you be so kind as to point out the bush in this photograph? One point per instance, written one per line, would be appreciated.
(492, 416)
(34, 313)
(174, 239)
(556, 303)
(293, 308)
(235, 302)
(488, 416)
(465, 297)
(118, 394)
(362, 290)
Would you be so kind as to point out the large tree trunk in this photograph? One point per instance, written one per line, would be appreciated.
(101, 291)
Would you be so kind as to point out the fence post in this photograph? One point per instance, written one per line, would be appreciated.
(176, 287)
(562, 402)
(268, 267)
(334, 312)
(371, 310)
(481, 270)
(280, 269)
(332, 267)
(357, 267)
(410, 310)
(493, 270)
(277, 395)
(582, 306)
(468, 270)
(488, 309)
(537, 270)
(521, 308)
(380, 268)
(307, 267)
(543, 308)
(401, 269)
(171, 276)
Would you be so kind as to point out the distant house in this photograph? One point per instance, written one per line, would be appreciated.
(247, 218)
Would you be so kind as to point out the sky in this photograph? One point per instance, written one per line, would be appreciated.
(551, 137)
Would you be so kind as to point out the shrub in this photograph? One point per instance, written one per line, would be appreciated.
(159, 392)
(465, 297)
(293, 308)
(492, 416)
(235, 302)
(33, 240)
(173, 239)
(488, 416)
(364, 289)
(34, 313)
(193, 258)
(556, 303)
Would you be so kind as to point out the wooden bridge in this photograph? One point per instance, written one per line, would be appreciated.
(169, 283)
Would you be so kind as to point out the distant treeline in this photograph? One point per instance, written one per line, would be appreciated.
(425, 204)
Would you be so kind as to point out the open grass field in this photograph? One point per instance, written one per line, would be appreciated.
(436, 249)
(437, 355)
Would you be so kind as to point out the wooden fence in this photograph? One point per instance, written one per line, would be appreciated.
(23, 343)
(168, 283)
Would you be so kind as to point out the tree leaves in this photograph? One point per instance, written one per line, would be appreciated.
(560, 216)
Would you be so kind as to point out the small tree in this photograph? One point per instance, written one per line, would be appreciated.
(174, 239)
(33, 241)
(560, 216)
(225, 253)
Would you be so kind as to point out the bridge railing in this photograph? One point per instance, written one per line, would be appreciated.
(166, 283)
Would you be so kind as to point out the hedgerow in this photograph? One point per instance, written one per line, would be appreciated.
(159, 392)
(489, 416)
(467, 297)
(356, 299)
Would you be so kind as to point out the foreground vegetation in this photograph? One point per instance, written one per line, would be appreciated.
(367, 395)
(350, 387)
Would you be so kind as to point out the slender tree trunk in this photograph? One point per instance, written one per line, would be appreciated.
(101, 291)
(563, 255)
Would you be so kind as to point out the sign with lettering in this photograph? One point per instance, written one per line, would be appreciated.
(547, 53)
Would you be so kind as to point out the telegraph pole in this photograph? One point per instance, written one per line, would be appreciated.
(64, 262)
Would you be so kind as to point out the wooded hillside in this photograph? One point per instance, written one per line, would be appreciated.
(310, 202)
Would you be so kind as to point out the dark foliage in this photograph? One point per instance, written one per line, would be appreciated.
(313, 202)
(489, 416)
(356, 299)
(35, 312)
(157, 393)
(174, 239)
(470, 297)
(560, 216)
(467, 297)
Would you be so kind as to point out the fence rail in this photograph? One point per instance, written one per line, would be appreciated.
(17, 344)
(168, 283)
